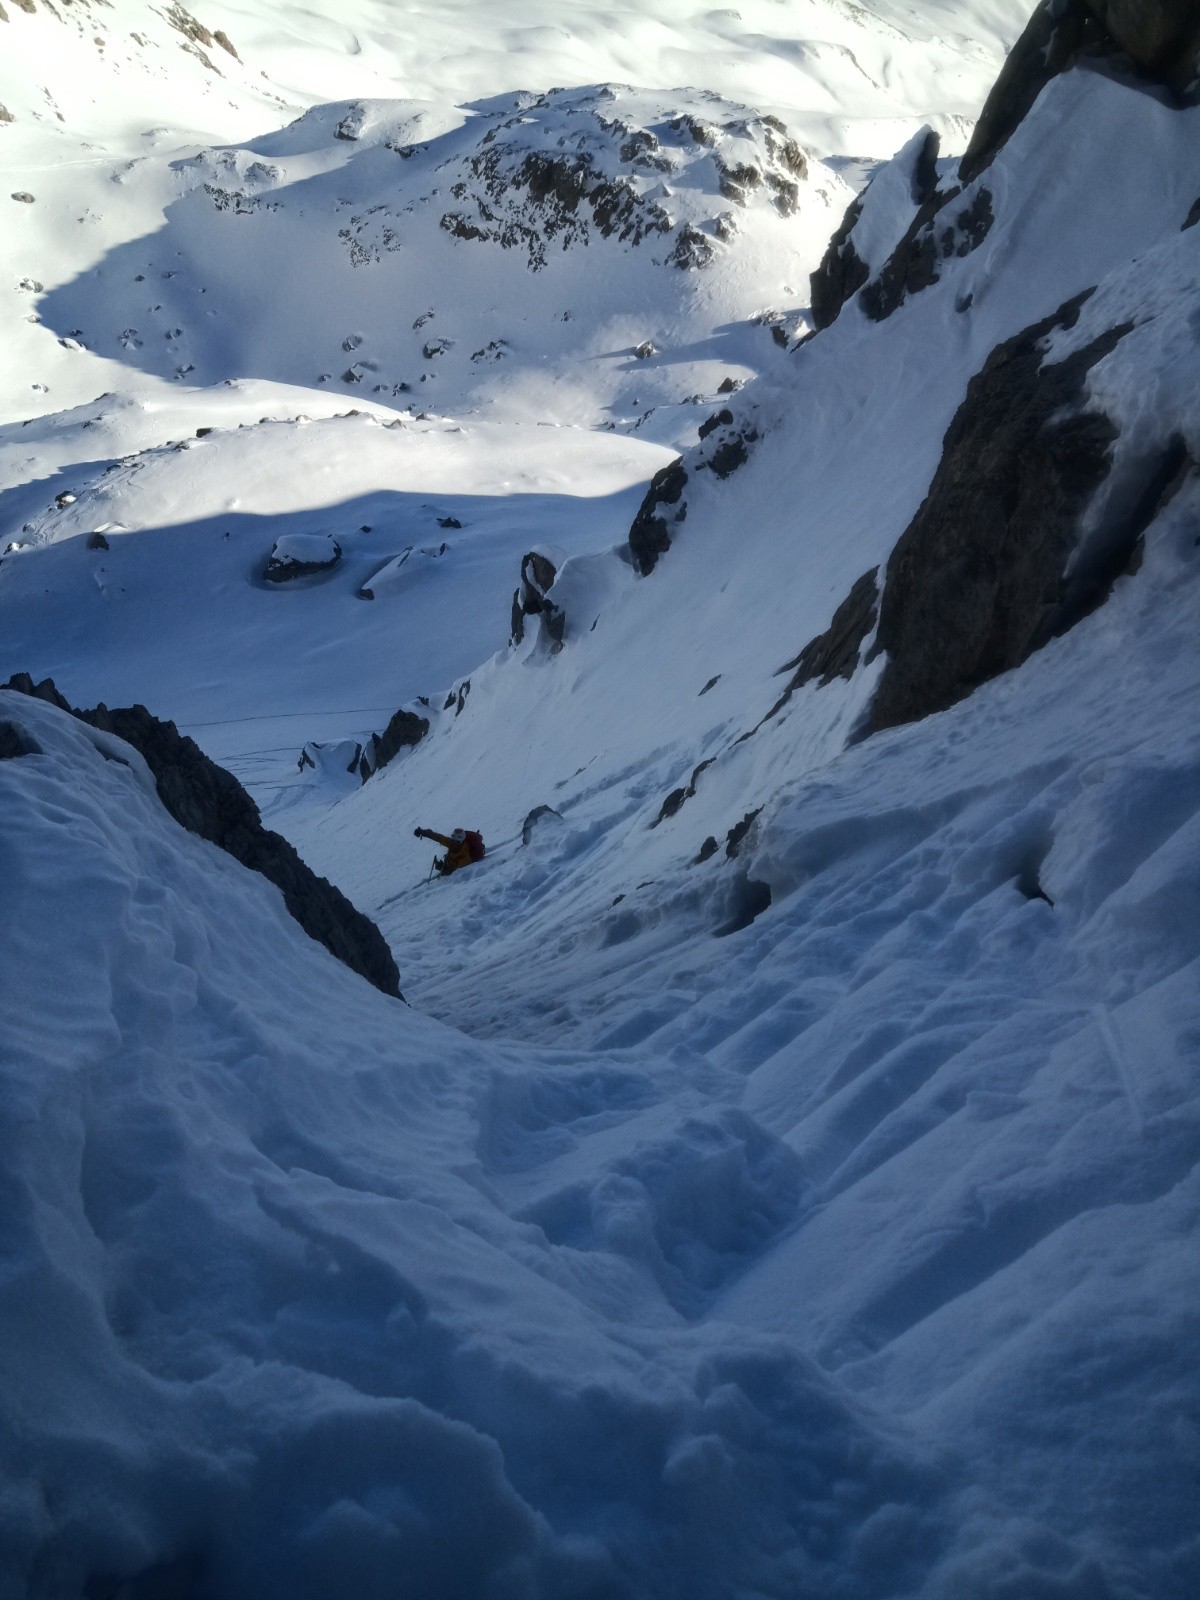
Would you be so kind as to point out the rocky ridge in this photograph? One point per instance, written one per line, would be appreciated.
(210, 802)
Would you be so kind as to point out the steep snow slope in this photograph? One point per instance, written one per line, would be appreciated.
(837, 461)
(809, 1206)
(361, 1359)
(910, 1161)
(958, 975)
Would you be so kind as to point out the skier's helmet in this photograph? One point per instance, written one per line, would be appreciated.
(459, 835)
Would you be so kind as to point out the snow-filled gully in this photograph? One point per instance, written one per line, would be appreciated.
(782, 1179)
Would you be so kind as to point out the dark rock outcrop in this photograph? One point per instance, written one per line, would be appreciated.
(835, 653)
(698, 132)
(15, 742)
(532, 599)
(932, 237)
(1158, 38)
(405, 730)
(693, 249)
(675, 800)
(97, 541)
(842, 271)
(649, 536)
(731, 451)
(736, 836)
(196, 34)
(719, 419)
(1162, 37)
(208, 801)
(549, 199)
(976, 582)
(1054, 38)
(456, 700)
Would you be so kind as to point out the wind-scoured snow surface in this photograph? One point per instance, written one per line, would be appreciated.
(783, 1180)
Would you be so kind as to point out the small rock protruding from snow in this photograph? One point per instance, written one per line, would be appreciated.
(538, 820)
(397, 571)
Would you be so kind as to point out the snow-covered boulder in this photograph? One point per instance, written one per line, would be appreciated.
(331, 758)
(394, 576)
(299, 555)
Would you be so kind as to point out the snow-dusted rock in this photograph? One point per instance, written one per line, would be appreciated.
(570, 167)
(532, 598)
(299, 555)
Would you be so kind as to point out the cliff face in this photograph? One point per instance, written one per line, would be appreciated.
(1158, 39)
(1152, 42)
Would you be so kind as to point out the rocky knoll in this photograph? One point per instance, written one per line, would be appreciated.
(572, 165)
(207, 800)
